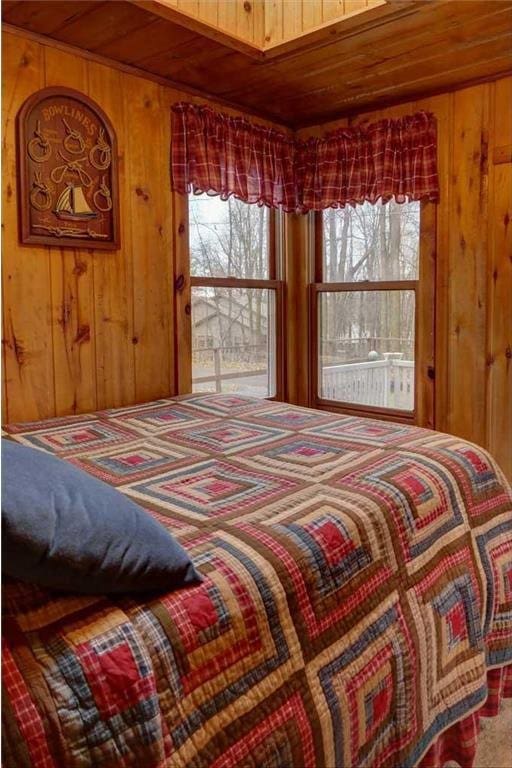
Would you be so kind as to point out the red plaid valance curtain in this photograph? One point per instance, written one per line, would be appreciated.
(391, 158)
(223, 155)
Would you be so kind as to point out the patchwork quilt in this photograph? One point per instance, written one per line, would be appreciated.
(357, 588)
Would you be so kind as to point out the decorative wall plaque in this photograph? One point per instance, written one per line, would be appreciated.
(67, 171)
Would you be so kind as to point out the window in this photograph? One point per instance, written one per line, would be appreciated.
(235, 298)
(371, 290)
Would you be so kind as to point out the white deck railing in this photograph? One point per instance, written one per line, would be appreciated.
(387, 383)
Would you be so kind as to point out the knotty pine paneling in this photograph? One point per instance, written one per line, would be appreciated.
(72, 287)
(499, 281)
(266, 22)
(84, 329)
(70, 342)
(286, 19)
(28, 369)
(473, 386)
(242, 18)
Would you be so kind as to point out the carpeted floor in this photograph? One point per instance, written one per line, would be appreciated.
(495, 741)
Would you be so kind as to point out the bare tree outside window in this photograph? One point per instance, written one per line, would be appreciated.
(371, 242)
(228, 238)
(366, 337)
(233, 326)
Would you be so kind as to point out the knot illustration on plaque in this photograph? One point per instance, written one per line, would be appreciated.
(72, 205)
(67, 167)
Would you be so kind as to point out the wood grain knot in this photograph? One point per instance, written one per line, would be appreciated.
(180, 283)
(19, 352)
(65, 314)
(80, 268)
(188, 309)
(142, 193)
(135, 339)
(83, 334)
(247, 6)
(508, 353)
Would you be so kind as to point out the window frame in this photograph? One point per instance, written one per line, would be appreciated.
(184, 282)
(423, 413)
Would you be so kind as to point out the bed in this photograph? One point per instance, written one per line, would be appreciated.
(357, 595)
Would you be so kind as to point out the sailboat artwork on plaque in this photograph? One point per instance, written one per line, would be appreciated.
(67, 166)
(72, 205)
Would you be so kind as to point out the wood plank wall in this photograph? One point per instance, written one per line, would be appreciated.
(474, 261)
(85, 330)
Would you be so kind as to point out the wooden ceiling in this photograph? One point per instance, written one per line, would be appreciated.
(397, 51)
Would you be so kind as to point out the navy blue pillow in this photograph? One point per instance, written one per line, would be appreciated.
(63, 529)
